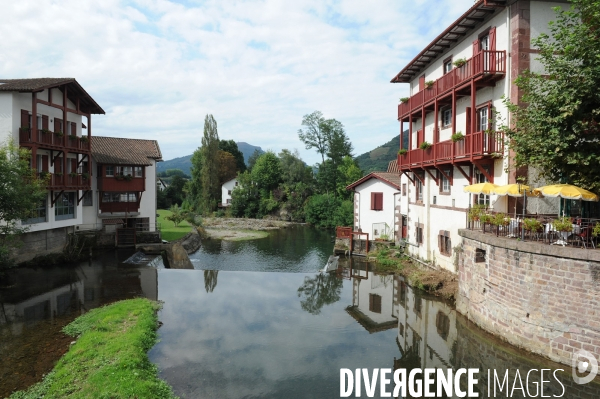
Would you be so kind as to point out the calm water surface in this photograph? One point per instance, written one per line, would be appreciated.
(257, 320)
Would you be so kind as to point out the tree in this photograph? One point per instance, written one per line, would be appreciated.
(266, 173)
(227, 166)
(210, 280)
(174, 193)
(21, 191)
(293, 169)
(177, 216)
(194, 186)
(348, 172)
(314, 134)
(253, 158)
(556, 129)
(231, 147)
(209, 175)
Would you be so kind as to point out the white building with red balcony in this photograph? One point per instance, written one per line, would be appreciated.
(457, 84)
(52, 118)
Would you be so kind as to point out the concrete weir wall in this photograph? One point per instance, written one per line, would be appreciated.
(542, 298)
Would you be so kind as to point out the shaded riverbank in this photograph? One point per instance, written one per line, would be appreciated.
(241, 229)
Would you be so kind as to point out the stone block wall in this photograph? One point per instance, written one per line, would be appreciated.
(543, 298)
(43, 242)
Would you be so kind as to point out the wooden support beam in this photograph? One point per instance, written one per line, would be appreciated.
(54, 199)
(73, 111)
(82, 195)
(467, 176)
(434, 177)
(488, 175)
(449, 177)
(54, 158)
(421, 179)
(408, 176)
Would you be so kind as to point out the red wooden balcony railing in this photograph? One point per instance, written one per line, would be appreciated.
(477, 144)
(47, 138)
(483, 63)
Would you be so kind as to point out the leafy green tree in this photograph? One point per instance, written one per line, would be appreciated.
(231, 147)
(245, 197)
(327, 211)
(194, 186)
(177, 216)
(348, 172)
(21, 191)
(556, 129)
(253, 158)
(266, 172)
(209, 175)
(174, 193)
(314, 134)
(293, 169)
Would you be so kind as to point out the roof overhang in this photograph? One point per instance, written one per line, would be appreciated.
(372, 175)
(462, 27)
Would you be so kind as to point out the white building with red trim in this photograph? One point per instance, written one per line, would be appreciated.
(376, 201)
(457, 84)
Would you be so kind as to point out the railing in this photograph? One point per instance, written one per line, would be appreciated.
(579, 233)
(483, 63)
(343, 232)
(45, 137)
(476, 144)
(62, 181)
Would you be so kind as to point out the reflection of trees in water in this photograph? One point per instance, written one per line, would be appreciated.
(210, 280)
(323, 289)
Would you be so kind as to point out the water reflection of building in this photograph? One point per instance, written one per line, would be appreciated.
(40, 295)
(426, 329)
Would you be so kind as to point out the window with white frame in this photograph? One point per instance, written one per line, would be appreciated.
(447, 65)
(138, 171)
(88, 198)
(482, 199)
(484, 42)
(445, 183)
(482, 119)
(419, 190)
(446, 117)
(110, 171)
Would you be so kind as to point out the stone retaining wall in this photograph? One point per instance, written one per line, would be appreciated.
(543, 298)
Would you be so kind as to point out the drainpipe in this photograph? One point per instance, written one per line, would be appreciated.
(397, 238)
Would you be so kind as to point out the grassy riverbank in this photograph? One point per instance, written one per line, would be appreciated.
(168, 230)
(437, 282)
(109, 359)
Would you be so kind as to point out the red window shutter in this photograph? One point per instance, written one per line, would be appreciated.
(24, 118)
(57, 123)
(492, 36)
(489, 116)
(420, 137)
(44, 121)
(468, 125)
(422, 83)
(73, 165)
(58, 165)
(73, 129)
(476, 47)
(44, 163)
(380, 201)
(373, 201)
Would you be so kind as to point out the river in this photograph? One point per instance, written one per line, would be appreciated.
(256, 319)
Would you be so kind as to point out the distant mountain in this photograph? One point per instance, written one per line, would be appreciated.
(248, 150)
(185, 164)
(379, 158)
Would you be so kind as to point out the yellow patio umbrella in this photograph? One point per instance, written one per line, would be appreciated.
(516, 190)
(567, 191)
(481, 188)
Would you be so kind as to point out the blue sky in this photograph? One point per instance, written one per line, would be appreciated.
(158, 67)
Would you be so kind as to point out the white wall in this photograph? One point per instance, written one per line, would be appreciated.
(367, 217)
(379, 285)
(225, 189)
(148, 203)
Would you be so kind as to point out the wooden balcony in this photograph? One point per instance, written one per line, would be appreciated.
(119, 207)
(67, 182)
(51, 140)
(116, 184)
(474, 146)
(486, 65)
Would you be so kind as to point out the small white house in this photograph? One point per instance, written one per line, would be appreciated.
(226, 190)
(376, 205)
(160, 184)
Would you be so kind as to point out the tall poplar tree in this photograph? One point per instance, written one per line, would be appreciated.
(209, 175)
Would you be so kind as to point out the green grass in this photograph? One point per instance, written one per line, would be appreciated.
(167, 228)
(109, 359)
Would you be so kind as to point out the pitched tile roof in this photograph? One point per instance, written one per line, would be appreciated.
(32, 84)
(393, 179)
(74, 90)
(122, 151)
(393, 167)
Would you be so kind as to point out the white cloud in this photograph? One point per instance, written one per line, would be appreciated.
(157, 67)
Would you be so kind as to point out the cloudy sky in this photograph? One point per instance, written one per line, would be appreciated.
(158, 67)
